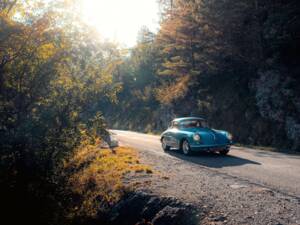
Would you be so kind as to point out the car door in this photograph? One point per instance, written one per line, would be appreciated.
(168, 135)
(172, 135)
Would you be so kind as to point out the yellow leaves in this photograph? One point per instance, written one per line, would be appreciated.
(176, 58)
(143, 95)
(168, 93)
(5, 20)
(179, 63)
(73, 115)
(166, 72)
(46, 51)
(65, 81)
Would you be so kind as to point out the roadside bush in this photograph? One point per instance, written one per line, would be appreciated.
(52, 74)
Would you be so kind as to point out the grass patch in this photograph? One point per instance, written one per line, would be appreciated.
(94, 176)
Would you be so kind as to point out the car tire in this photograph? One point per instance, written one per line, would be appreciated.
(224, 152)
(186, 148)
(164, 146)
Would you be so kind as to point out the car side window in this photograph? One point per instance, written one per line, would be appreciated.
(175, 124)
(194, 123)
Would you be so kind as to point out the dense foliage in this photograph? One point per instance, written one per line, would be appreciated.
(233, 62)
(52, 74)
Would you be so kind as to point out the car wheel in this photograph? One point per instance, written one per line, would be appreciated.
(186, 148)
(164, 145)
(224, 151)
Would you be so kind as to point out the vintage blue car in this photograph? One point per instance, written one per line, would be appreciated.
(193, 134)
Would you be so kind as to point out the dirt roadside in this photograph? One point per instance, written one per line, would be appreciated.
(219, 198)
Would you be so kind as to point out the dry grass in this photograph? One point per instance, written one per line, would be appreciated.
(96, 176)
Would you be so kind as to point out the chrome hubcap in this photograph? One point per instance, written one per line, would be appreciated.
(186, 147)
(163, 144)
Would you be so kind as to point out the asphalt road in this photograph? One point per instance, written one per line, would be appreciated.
(277, 171)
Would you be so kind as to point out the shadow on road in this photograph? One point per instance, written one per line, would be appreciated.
(212, 160)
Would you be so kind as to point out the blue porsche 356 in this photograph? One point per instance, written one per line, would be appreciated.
(193, 134)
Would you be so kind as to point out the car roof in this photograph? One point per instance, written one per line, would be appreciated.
(187, 118)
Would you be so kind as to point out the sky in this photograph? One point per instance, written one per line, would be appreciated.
(120, 20)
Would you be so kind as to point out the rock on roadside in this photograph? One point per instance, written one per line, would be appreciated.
(142, 208)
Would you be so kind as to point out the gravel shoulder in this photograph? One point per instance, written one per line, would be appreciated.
(221, 199)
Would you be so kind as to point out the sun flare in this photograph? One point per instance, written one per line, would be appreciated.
(120, 20)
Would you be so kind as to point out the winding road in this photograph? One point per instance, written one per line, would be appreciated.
(277, 171)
